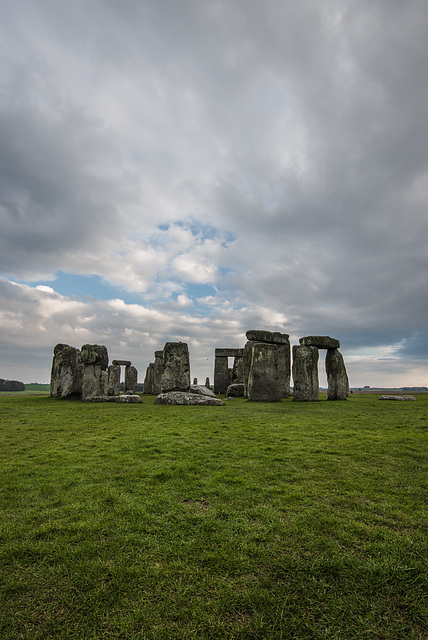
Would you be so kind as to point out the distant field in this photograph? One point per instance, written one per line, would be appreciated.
(279, 521)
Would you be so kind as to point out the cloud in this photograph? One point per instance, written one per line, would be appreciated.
(230, 165)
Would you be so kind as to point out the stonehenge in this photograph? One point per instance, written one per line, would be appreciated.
(86, 373)
(305, 369)
(223, 376)
(261, 372)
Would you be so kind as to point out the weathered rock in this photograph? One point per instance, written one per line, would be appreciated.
(157, 372)
(207, 383)
(337, 378)
(11, 385)
(236, 390)
(221, 373)
(187, 398)
(122, 363)
(94, 354)
(272, 337)
(321, 342)
(126, 399)
(263, 380)
(305, 373)
(202, 391)
(113, 385)
(284, 368)
(66, 372)
(131, 378)
(238, 370)
(175, 367)
(148, 380)
(95, 359)
(397, 398)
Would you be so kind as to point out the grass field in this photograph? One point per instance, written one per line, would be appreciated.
(282, 521)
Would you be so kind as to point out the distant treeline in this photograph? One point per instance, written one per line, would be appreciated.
(11, 385)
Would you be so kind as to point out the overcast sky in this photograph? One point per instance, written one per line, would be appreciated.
(191, 169)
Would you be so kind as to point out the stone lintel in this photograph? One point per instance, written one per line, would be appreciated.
(122, 363)
(271, 337)
(230, 353)
(321, 342)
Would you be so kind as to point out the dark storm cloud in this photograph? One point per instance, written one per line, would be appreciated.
(298, 130)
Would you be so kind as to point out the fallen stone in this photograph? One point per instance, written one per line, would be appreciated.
(202, 391)
(126, 399)
(273, 337)
(186, 398)
(397, 398)
(236, 390)
(321, 342)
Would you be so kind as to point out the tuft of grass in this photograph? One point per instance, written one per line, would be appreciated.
(251, 520)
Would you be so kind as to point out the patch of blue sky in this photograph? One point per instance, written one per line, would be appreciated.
(204, 231)
(84, 286)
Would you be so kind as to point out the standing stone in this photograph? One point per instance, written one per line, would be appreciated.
(175, 367)
(263, 380)
(238, 370)
(157, 372)
(113, 386)
(67, 372)
(207, 383)
(195, 381)
(305, 373)
(337, 378)
(281, 343)
(131, 379)
(148, 380)
(221, 374)
(284, 369)
(95, 359)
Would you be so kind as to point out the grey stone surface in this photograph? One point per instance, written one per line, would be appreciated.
(272, 337)
(229, 352)
(207, 383)
(321, 342)
(221, 373)
(175, 367)
(263, 380)
(94, 354)
(126, 399)
(236, 390)
(386, 397)
(202, 391)
(131, 378)
(95, 359)
(149, 380)
(337, 378)
(157, 372)
(305, 373)
(122, 363)
(284, 368)
(187, 398)
(66, 372)
(113, 385)
(238, 370)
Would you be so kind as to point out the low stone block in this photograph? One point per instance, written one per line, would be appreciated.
(126, 399)
(397, 398)
(236, 390)
(186, 398)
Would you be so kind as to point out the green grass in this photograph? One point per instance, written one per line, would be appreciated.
(282, 521)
